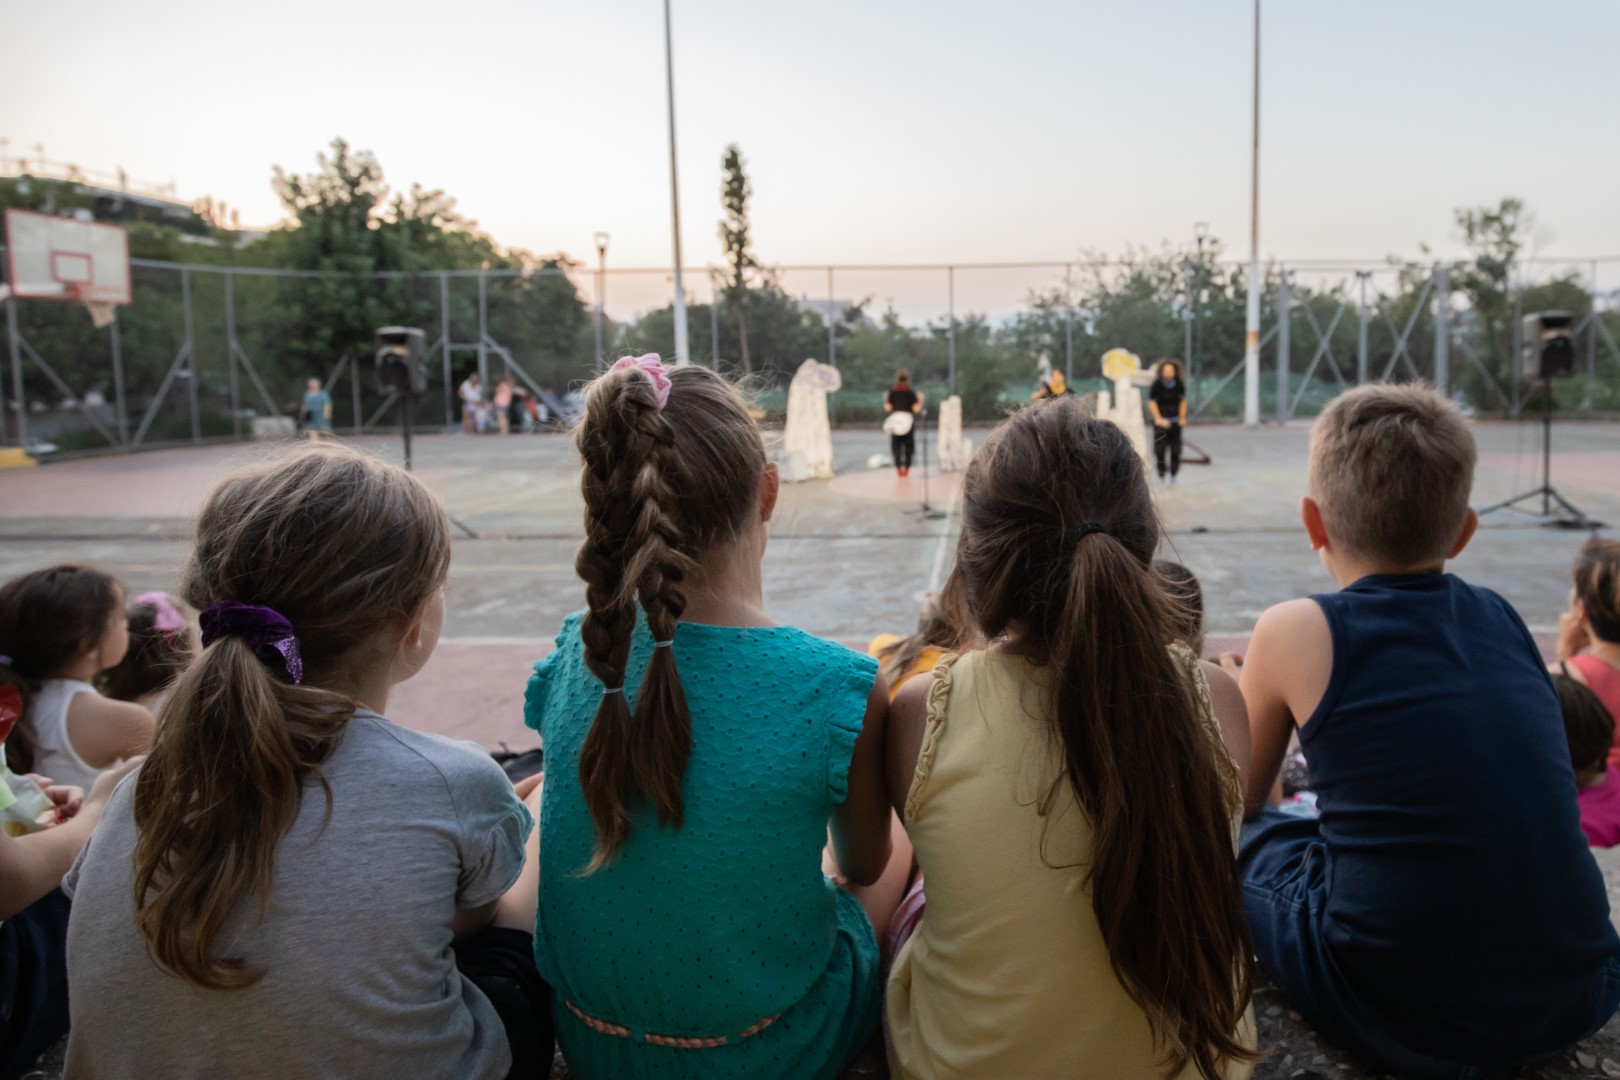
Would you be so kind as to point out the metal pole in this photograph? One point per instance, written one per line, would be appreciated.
(1251, 340)
(18, 398)
(1442, 328)
(681, 356)
(118, 380)
(483, 333)
(1591, 342)
(444, 338)
(1068, 328)
(1187, 327)
(357, 424)
(714, 323)
(1516, 361)
(230, 356)
(1285, 318)
(950, 334)
(191, 357)
(832, 337)
(1361, 327)
(601, 288)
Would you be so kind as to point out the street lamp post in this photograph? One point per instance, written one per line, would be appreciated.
(1251, 337)
(1197, 299)
(681, 356)
(601, 289)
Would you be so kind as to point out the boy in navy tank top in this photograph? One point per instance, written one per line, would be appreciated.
(1444, 915)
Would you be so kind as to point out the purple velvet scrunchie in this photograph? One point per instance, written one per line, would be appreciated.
(266, 631)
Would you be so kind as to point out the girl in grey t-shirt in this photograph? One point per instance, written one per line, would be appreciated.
(290, 885)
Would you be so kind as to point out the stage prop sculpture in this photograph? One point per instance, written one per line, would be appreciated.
(1123, 406)
(807, 452)
(954, 451)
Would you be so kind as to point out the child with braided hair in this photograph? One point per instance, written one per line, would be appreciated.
(696, 753)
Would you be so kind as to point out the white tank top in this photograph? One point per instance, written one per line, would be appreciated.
(47, 713)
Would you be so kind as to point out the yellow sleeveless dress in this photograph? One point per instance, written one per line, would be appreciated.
(1007, 974)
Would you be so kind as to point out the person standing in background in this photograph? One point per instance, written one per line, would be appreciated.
(1167, 401)
(503, 406)
(901, 398)
(317, 410)
(472, 403)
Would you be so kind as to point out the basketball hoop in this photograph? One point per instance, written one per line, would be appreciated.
(57, 258)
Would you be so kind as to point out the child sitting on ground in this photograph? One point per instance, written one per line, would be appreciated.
(1066, 787)
(938, 632)
(1590, 731)
(60, 628)
(161, 644)
(1589, 632)
(695, 753)
(291, 885)
(1444, 913)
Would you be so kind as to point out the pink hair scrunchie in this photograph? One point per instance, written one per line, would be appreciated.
(652, 366)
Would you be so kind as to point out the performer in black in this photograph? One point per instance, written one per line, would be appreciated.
(1167, 400)
(902, 398)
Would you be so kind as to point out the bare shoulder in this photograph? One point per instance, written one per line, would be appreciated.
(1231, 713)
(1283, 621)
(103, 730)
(908, 718)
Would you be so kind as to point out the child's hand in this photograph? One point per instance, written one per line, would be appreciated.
(1161, 423)
(102, 789)
(1572, 635)
(65, 800)
(528, 785)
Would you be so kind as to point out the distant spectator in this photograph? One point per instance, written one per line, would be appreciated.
(161, 644)
(1182, 585)
(1055, 385)
(317, 409)
(472, 404)
(503, 405)
(1589, 632)
(1590, 731)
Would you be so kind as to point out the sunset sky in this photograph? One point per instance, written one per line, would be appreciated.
(886, 131)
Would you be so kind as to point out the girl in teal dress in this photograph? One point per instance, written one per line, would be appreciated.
(696, 754)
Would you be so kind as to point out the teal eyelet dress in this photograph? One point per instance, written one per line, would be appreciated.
(719, 949)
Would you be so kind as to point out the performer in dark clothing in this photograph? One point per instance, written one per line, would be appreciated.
(902, 398)
(1167, 400)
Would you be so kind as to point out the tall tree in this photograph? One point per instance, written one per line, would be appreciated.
(734, 193)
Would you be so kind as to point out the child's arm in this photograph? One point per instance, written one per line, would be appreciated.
(33, 865)
(1232, 715)
(908, 718)
(103, 730)
(860, 824)
(1285, 674)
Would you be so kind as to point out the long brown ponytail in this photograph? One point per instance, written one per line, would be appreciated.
(662, 487)
(344, 547)
(1058, 536)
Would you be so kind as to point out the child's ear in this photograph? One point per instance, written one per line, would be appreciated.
(1311, 514)
(770, 487)
(1470, 524)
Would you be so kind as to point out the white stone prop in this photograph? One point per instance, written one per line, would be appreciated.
(807, 452)
(1123, 368)
(954, 451)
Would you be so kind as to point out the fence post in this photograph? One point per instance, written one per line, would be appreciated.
(230, 355)
(18, 397)
(1361, 327)
(1591, 341)
(444, 337)
(483, 335)
(191, 357)
(1442, 328)
(1516, 341)
(1285, 317)
(118, 379)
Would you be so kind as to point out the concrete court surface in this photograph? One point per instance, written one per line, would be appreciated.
(849, 557)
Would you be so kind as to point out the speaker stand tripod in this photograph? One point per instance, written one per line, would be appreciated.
(925, 511)
(1571, 516)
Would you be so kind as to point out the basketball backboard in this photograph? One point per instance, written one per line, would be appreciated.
(56, 258)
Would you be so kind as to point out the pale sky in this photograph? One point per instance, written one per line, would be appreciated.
(884, 131)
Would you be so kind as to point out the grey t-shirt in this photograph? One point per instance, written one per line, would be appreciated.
(360, 977)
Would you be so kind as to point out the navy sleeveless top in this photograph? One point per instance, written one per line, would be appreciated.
(1460, 886)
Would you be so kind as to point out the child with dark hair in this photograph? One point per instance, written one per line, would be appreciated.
(1060, 929)
(1188, 597)
(939, 631)
(60, 628)
(1590, 731)
(161, 644)
(1444, 916)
